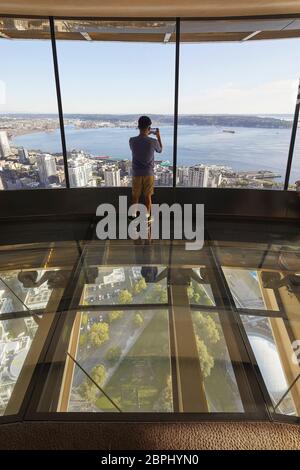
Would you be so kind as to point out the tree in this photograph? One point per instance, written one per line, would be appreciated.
(114, 316)
(157, 288)
(158, 294)
(165, 401)
(113, 354)
(84, 319)
(206, 328)
(88, 390)
(99, 334)
(139, 286)
(138, 320)
(200, 296)
(206, 300)
(125, 297)
(206, 360)
(99, 374)
(190, 292)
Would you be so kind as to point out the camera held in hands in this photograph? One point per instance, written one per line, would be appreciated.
(154, 130)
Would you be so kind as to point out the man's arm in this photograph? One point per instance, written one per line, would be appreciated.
(159, 138)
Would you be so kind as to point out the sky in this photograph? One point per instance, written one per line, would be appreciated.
(254, 77)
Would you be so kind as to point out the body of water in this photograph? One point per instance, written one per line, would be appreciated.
(246, 149)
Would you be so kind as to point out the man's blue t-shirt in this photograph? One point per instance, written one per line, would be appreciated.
(143, 148)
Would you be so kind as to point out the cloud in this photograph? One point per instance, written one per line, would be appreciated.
(278, 96)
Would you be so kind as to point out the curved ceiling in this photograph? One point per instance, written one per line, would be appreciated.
(153, 8)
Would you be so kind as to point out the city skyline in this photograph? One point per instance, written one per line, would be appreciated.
(21, 168)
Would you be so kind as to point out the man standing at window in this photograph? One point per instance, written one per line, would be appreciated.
(143, 148)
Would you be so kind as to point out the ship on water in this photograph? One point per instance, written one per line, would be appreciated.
(228, 131)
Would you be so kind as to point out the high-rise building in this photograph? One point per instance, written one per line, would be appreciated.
(215, 179)
(23, 155)
(165, 178)
(46, 166)
(80, 173)
(112, 177)
(183, 176)
(198, 176)
(5, 150)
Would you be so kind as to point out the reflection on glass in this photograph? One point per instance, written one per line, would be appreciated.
(219, 379)
(117, 29)
(16, 336)
(28, 289)
(9, 301)
(245, 288)
(124, 353)
(199, 290)
(24, 27)
(126, 285)
(269, 360)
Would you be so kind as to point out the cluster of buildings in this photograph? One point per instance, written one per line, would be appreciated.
(28, 169)
(23, 169)
(215, 176)
(16, 334)
(200, 176)
(15, 341)
(21, 125)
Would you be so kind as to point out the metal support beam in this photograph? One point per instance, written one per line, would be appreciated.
(191, 393)
(176, 96)
(292, 141)
(59, 101)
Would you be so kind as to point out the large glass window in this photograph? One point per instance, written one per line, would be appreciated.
(237, 93)
(30, 142)
(111, 72)
(237, 97)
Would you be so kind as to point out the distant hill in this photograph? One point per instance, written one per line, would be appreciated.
(222, 120)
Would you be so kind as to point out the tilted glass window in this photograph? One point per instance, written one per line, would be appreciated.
(237, 95)
(30, 141)
(112, 72)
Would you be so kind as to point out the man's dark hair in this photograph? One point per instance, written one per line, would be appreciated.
(144, 122)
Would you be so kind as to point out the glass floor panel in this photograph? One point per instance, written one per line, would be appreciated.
(117, 361)
(151, 331)
(21, 341)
